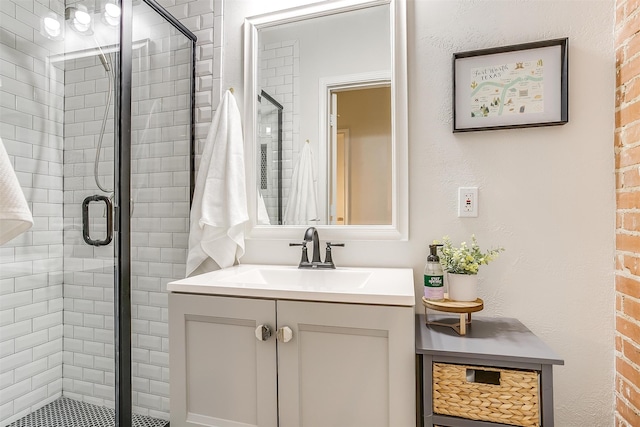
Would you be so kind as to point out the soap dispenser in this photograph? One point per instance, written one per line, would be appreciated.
(433, 276)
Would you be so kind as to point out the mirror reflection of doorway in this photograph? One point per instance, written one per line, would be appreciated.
(361, 150)
(342, 177)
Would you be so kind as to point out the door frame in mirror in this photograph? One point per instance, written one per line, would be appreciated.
(325, 86)
(399, 227)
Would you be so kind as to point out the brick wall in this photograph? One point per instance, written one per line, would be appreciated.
(627, 147)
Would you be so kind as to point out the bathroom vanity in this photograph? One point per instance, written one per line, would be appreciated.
(280, 346)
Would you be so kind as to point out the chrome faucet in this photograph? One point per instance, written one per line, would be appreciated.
(311, 235)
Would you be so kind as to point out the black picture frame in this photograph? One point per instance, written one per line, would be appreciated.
(509, 87)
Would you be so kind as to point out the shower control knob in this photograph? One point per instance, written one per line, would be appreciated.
(263, 332)
(285, 334)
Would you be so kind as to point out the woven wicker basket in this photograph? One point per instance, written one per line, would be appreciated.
(515, 400)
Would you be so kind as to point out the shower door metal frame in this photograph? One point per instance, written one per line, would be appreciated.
(122, 177)
(280, 108)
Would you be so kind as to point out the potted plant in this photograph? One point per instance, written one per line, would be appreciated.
(462, 264)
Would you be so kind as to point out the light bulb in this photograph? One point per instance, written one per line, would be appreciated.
(82, 21)
(82, 17)
(79, 18)
(112, 9)
(52, 26)
(111, 14)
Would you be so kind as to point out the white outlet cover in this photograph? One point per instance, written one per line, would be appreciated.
(467, 202)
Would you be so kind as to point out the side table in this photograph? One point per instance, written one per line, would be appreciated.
(495, 343)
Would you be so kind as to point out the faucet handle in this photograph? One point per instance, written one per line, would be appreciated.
(329, 244)
(305, 257)
(328, 259)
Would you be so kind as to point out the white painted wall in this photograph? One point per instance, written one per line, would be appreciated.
(546, 194)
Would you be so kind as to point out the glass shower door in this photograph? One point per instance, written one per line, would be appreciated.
(91, 89)
(161, 180)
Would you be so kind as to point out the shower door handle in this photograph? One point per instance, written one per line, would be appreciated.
(85, 220)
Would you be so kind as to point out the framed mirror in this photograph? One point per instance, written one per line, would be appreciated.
(326, 120)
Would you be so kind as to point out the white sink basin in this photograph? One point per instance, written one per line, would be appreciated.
(388, 286)
(308, 279)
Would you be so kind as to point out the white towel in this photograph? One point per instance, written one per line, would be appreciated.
(302, 205)
(219, 209)
(263, 215)
(15, 216)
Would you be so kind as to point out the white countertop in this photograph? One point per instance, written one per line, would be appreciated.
(384, 286)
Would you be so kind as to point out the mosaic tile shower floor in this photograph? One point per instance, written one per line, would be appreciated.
(66, 412)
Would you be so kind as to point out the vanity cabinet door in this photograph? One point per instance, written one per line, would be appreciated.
(346, 365)
(221, 374)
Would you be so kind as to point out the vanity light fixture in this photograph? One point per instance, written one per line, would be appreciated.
(111, 14)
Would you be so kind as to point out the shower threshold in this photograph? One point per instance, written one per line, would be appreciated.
(65, 412)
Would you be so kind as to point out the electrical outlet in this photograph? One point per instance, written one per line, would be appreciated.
(467, 201)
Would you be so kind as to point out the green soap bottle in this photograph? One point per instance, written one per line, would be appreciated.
(433, 276)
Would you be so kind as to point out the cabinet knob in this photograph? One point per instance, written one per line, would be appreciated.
(263, 332)
(285, 334)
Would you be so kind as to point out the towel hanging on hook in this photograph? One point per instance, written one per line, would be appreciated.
(219, 210)
(302, 204)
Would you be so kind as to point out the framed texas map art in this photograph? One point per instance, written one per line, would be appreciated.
(510, 87)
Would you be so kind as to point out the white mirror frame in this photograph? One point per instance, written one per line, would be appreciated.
(399, 227)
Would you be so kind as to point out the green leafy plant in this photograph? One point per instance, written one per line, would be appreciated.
(465, 259)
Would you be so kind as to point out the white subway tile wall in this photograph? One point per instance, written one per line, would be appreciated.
(50, 112)
(160, 224)
(279, 77)
(31, 265)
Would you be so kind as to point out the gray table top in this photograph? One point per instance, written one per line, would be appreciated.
(491, 338)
